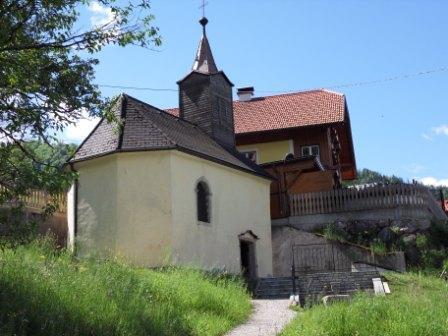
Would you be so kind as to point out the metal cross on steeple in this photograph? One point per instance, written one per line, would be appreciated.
(204, 3)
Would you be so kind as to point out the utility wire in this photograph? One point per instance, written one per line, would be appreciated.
(340, 86)
(384, 80)
(135, 88)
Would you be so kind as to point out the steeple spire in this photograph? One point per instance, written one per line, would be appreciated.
(204, 61)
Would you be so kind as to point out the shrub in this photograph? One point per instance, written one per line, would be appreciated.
(378, 247)
(332, 232)
(421, 241)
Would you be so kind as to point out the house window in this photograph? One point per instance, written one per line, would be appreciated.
(203, 202)
(310, 150)
(251, 155)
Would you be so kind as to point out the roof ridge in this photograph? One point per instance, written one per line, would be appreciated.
(118, 102)
(145, 105)
(335, 92)
(292, 94)
(165, 113)
(270, 96)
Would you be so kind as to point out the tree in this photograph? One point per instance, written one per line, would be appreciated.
(46, 83)
(367, 176)
(38, 168)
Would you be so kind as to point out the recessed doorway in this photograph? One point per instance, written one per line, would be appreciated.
(248, 260)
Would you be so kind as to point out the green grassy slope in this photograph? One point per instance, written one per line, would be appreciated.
(43, 293)
(418, 306)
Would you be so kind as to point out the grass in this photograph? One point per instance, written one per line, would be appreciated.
(43, 292)
(418, 306)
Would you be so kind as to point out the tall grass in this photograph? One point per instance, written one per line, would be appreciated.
(418, 306)
(43, 292)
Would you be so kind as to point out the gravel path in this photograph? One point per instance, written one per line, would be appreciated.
(268, 318)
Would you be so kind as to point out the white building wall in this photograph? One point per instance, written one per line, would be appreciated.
(239, 202)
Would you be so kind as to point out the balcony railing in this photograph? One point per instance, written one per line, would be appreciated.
(368, 198)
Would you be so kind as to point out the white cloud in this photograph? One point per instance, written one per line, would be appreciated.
(438, 130)
(79, 131)
(441, 130)
(429, 180)
(101, 14)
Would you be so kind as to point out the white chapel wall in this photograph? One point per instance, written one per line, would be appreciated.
(144, 207)
(71, 218)
(240, 202)
(97, 206)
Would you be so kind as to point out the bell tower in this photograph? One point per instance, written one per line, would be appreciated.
(205, 95)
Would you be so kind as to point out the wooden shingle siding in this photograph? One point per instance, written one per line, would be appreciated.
(206, 101)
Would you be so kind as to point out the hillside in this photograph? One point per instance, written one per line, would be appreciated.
(45, 292)
(417, 307)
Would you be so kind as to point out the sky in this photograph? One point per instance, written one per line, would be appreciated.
(397, 50)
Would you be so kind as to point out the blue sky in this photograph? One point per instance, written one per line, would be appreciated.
(399, 127)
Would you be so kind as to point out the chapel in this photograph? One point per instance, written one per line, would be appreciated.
(161, 189)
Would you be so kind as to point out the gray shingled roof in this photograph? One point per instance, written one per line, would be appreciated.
(145, 127)
(204, 61)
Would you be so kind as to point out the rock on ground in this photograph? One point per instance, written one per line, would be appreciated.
(268, 318)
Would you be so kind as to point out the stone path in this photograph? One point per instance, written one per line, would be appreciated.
(268, 318)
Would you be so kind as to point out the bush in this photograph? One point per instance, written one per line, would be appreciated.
(15, 227)
(378, 247)
(48, 292)
(333, 232)
(417, 307)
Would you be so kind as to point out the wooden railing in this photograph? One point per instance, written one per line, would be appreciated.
(37, 200)
(368, 198)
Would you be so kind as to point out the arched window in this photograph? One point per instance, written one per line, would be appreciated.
(203, 201)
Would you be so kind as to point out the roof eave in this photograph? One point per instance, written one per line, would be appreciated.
(290, 128)
(205, 74)
(175, 147)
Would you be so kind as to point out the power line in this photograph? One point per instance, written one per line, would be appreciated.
(377, 81)
(339, 86)
(135, 88)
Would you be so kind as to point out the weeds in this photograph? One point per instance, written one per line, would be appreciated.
(417, 307)
(49, 292)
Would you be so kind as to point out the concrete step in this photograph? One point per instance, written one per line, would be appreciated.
(316, 284)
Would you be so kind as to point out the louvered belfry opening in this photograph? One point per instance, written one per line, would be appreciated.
(203, 202)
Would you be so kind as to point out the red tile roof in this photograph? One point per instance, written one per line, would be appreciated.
(289, 110)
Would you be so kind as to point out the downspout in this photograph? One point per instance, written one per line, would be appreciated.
(75, 210)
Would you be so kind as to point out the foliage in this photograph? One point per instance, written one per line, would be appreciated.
(15, 228)
(417, 307)
(41, 169)
(378, 247)
(433, 246)
(332, 232)
(438, 234)
(421, 241)
(47, 73)
(48, 292)
(367, 176)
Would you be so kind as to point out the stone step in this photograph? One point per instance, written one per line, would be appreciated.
(316, 284)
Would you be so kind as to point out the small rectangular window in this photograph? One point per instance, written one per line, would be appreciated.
(310, 150)
(251, 155)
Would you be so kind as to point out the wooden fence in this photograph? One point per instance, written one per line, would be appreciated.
(368, 198)
(37, 200)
